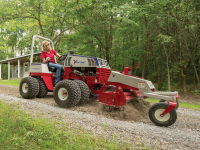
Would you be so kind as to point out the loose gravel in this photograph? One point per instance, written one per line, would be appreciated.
(184, 134)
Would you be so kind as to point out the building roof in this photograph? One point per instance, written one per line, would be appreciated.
(22, 59)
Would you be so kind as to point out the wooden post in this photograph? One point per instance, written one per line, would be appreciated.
(13, 69)
(8, 70)
(0, 71)
(18, 68)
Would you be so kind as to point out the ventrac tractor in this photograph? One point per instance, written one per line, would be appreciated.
(84, 77)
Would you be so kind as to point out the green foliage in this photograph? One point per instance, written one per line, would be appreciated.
(194, 106)
(22, 131)
(196, 92)
(123, 32)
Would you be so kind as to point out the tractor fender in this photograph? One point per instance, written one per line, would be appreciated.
(48, 82)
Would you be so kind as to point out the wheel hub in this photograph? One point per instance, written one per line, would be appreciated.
(62, 94)
(25, 88)
(160, 117)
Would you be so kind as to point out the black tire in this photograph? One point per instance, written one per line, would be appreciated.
(29, 88)
(42, 88)
(167, 120)
(177, 106)
(85, 93)
(72, 90)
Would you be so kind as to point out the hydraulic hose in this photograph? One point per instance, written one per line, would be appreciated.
(96, 95)
(79, 74)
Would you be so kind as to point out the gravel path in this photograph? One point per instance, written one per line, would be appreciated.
(184, 134)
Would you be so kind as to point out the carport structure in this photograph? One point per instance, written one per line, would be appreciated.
(20, 65)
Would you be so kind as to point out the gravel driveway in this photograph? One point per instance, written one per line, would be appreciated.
(184, 134)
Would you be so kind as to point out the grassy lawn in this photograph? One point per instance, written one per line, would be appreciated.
(19, 130)
(181, 104)
(13, 82)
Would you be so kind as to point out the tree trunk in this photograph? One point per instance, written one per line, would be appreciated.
(146, 49)
(183, 80)
(168, 73)
(194, 65)
(161, 66)
(2, 71)
(156, 66)
(99, 51)
(107, 54)
(145, 64)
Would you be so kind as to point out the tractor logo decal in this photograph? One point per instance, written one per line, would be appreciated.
(35, 68)
(80, 62)
(113, 75)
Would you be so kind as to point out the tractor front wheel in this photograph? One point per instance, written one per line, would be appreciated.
(29, 88)
(155, 115)
(67, 93)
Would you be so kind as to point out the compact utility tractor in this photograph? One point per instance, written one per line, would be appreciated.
(85, 76)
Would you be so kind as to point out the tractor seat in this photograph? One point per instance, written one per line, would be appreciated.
(52, 69)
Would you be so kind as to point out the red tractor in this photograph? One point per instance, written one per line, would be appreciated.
(85, 76)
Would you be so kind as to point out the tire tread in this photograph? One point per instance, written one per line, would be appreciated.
(42, 88)
(85, 93)
(173, 115)
(73, 92)
(33, 87)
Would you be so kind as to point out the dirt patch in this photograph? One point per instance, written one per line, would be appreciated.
(134, 111)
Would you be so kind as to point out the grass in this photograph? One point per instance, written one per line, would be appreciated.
(19, 130)
(13, 82)
(181, 104)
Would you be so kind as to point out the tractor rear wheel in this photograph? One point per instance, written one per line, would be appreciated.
(42, 88)
(85, 93)
(155, 115)
(29, 88)
(67, 93)
(177, 106)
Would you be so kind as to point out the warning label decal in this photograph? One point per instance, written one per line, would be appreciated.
(141, 85)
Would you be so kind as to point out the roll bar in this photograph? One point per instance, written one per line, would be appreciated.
(32, 45)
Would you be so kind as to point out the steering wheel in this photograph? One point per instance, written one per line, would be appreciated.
(62, 58)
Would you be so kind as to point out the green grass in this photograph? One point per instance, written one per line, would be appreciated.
(13, 82)
(181, 104)
(21, 131)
